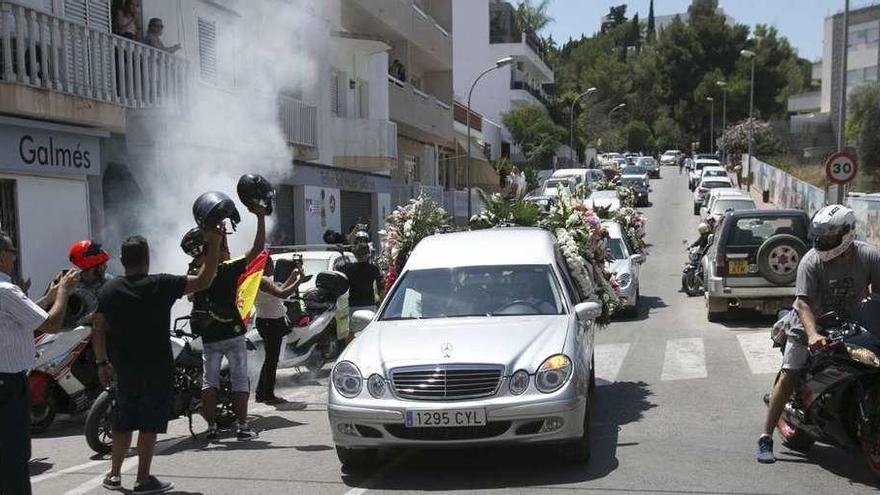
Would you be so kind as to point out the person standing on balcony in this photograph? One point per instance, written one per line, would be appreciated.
(154, 36)
(127, 19)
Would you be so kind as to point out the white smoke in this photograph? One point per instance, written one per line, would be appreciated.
(224, 132)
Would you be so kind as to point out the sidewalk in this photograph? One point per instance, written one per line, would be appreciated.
(757, 196)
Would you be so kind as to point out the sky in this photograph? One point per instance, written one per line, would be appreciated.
(801, 21)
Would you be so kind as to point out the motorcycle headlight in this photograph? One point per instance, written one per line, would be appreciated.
(553, 373)
(347, 379)
(862, 355)
(376, 386)
(519, 382)
(624, 279)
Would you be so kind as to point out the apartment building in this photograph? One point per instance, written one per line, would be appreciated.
(66, 83)
(485, 31)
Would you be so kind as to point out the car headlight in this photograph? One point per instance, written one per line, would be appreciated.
(347, 379)
(376, 386)
(624, 279)
(862, 355)
(553, 373)
(519, 382)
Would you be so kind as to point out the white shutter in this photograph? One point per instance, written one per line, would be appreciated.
(99, 15)
(335, 107)
(76, 11)
(208, 49)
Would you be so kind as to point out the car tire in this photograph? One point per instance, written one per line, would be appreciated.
(778, 258)
(356, 458)
(578, 451)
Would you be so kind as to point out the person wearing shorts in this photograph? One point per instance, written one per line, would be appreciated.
(215, 317)
(131, 331)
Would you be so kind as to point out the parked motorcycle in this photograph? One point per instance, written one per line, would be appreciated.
(186, 391)
(692, 273)
(837, 399)
(64, 378)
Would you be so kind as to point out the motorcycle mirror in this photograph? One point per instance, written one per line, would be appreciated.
(363, 317)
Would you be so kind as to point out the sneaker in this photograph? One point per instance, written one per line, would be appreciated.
(152, 485)
(244, 432)
(765, 450)
(112, 482)
(274, 401)
(211, 435)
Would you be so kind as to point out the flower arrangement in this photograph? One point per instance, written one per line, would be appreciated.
(407, 225)
(627, 195)
(499, 210)
(632, 222)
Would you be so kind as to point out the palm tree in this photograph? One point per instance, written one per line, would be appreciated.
(533, 17)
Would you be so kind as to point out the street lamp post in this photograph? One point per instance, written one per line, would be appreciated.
(711, 125)
(750, 55)
(723, 86)
(498, 64)
(618, 107)
(571, 121)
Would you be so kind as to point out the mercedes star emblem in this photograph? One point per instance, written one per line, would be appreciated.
(446, 349)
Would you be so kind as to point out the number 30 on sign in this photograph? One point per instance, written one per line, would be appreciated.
(841, 167)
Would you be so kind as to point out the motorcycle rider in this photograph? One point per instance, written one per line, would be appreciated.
(705, 230)
(91, 260)
(833, 276)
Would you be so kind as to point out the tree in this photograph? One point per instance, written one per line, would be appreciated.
(735, 140)
(533, 18)
(616, 17)
(534, 132)
(638, 136)
(864, 110)
(651, 32)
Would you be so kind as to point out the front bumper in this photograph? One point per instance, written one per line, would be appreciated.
(379, 423)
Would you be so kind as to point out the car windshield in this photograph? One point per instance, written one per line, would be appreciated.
(714, 173)
(646, 162)
(723, 205)
(616, 249)
(715, 185)
(475, 291)
(754, 231)
(550, 187)
(634, 170)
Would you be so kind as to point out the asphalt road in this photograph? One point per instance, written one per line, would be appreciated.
(678, 410)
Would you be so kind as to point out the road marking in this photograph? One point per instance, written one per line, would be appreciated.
(609, 359)
(72, 469)
(760, 354)
(685, 359)
(356, 491)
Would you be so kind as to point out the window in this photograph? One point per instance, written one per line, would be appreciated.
(754, 231)
(413, 168)
(363, 99)
(208, 50)
(337, 107)
(92, 13)
(859, 77)
(9, 215)
(865, 35)
(617, 249)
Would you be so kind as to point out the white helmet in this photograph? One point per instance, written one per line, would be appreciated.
(832, 231)
(703, 228)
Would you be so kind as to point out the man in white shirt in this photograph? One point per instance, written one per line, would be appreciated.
(19, 319)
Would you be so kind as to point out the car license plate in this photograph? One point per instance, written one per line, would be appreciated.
(739, 267)
(446, 418)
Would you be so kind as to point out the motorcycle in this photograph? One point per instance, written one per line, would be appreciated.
(186, 391)
(64, 378)
(837, 399)
(692, 273)
(313, 340)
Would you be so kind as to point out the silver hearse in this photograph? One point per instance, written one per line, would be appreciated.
(481, 341)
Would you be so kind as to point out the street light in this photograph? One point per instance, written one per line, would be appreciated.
(750, 55)
(711, 125)
(618, 107)
(571, 121)
(498, 64)
(723, 86)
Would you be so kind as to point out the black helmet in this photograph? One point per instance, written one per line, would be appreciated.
(194, 243)
(211, 208)
(333, 237)
(255, 190)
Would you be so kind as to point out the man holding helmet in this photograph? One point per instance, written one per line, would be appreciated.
(91, 260)
(834, 275)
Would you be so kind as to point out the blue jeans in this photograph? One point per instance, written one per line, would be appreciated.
(235, 352)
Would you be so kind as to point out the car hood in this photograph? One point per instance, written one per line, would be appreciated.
(513, 341)
(618, 266)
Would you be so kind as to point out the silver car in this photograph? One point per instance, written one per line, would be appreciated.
(650, 164)
(625, 265)
(476, 344)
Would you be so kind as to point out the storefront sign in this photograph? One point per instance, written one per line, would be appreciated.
(42, 151)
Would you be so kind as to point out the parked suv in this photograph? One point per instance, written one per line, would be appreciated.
(753, 261)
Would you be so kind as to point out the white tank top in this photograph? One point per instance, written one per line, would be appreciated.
(269, 306)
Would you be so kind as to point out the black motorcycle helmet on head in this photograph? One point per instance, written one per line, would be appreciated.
(255, 190)
(212, 208)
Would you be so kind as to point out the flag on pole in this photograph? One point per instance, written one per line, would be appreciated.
(248, 286)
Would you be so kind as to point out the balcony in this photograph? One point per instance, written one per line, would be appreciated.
(528, 93)
(364, 144)
(401, 20)
(524, 48)
(299, 122)
(46, 60)
(419, 113)
(401, 194)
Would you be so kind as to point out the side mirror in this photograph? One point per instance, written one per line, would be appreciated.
(638, 258)
(587, 311)
(362, 317)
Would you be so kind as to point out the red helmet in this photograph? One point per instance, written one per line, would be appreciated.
(87, 255)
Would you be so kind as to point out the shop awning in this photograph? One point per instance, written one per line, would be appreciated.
(481, 169)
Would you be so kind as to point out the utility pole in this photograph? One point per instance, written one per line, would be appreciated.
(841, 123)
(711, 125)
(571, 122)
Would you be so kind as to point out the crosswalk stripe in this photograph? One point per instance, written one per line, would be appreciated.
(760, 355)
(609, 359)
(685, 359)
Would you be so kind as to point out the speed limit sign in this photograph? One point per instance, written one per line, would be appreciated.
(841, 167)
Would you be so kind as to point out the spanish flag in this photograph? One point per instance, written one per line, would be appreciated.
(249, 285)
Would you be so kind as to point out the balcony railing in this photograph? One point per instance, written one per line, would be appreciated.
(48, 52)
(404, 192)
(529, 39)
(419, 109)
(365, 138)
(299, 121)
(522, 85)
